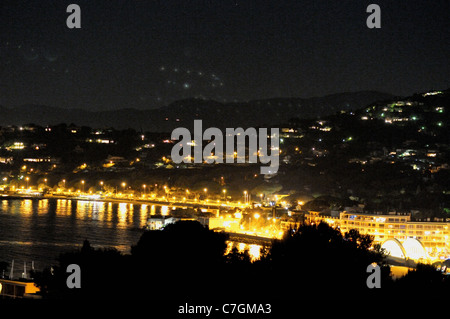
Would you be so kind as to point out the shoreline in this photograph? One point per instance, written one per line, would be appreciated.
(122, 200)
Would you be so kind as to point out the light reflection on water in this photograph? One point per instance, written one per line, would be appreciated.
(254, 250)
(40, 229)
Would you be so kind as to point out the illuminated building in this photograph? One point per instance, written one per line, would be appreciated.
(6, 160)
(434, 236)
(16, 146)
(18, 289)
(38, 159)
(397, 233)
(156, 223)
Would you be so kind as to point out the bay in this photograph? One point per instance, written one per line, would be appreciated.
(38, 230)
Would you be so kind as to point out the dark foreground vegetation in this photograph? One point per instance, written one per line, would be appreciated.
(186, 261)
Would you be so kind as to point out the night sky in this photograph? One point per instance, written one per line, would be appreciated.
(146, 54)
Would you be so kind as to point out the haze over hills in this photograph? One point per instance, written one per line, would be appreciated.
(255, 113)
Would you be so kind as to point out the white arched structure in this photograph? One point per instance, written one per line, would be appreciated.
(411, 248)
(414, 249)
(394, 248)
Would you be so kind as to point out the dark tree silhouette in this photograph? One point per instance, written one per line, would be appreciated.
(186, 261)
(183, 260)
(423, 282)
(323, 262)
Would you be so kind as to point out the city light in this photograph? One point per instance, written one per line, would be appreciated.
(208, 152)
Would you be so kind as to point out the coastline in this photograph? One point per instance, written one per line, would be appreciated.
(122, 200)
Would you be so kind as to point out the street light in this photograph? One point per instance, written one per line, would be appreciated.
(245, 197)
(144, 188)
(82, 183)
(27, 179)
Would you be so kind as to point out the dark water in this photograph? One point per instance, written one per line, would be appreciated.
(39, 230)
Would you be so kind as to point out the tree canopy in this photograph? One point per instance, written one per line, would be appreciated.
(188, 261)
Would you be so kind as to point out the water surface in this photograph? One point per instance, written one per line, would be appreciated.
(38, 230)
